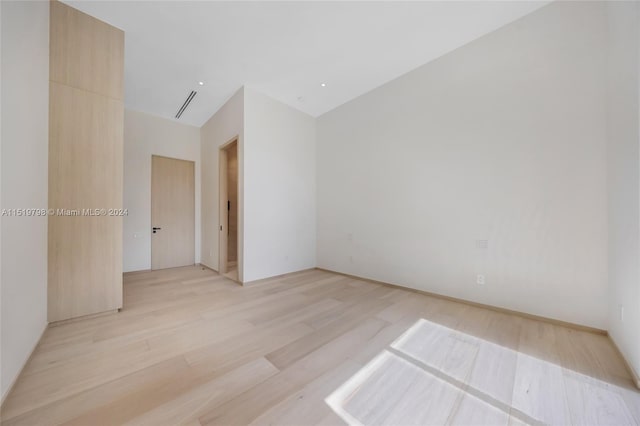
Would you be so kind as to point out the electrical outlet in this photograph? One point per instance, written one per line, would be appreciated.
(350, 259)
(349, 237)
(480, 279)
(210, 253)
(621, 312)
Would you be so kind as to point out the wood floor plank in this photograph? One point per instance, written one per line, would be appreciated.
(189, 405)
(307, 406)
(65, 409)
(229, 353)
(493, 361)
(539, 390)
(594, 402)
(392, 391)
(307, 344)
(253, 403)
(474, 411)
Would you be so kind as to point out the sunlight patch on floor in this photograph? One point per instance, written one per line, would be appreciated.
(435, 375)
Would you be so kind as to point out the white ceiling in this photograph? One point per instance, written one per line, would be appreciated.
(284, 49)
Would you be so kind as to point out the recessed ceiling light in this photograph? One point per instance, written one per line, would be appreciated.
(323, 84)
(201, 83)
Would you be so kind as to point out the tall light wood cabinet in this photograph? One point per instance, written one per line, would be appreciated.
(86, 114)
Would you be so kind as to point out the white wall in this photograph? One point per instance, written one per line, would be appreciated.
(503, 140)
(624, 177)
(224, 125)
(279, 188)
(146, 135)
(25, 127)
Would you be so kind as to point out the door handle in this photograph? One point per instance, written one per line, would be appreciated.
(156, 229)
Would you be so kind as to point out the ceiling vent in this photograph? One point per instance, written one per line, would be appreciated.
(186, 103)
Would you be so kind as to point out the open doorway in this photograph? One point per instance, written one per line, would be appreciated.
(228, 262)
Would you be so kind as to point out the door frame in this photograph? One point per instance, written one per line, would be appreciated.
(195, 224)
(222, 208)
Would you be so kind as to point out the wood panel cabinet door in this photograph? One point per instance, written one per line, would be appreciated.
(86, 128)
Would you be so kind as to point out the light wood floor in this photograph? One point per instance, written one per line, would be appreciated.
(192, 347)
